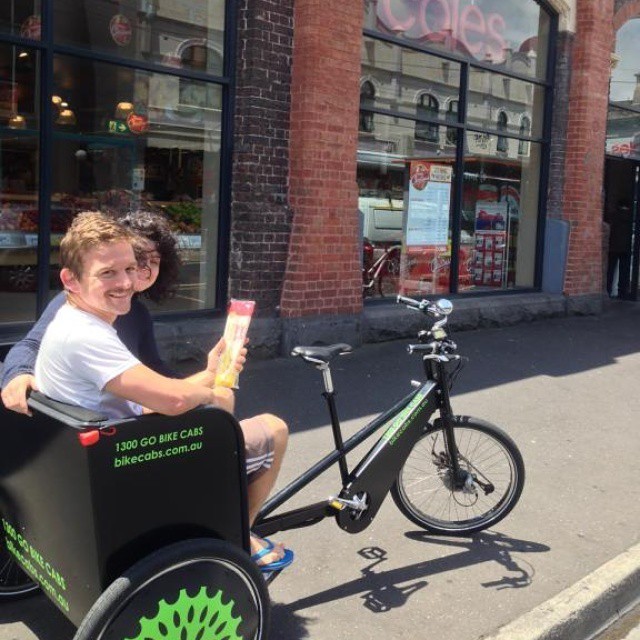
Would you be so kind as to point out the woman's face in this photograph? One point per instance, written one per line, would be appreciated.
(148, 266)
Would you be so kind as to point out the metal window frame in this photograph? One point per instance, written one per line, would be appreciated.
(48, 50)
(462, 127)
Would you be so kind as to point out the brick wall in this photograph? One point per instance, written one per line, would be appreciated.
(564, 48)
(323, 269)
(584, 163)
(260, 216)
(625, 10)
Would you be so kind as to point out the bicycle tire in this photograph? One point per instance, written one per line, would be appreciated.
(201, 588)
(15, 583)
(423, 490)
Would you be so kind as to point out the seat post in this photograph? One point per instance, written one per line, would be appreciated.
(330, 396)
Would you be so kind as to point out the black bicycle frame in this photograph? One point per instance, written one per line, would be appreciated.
(374, 475)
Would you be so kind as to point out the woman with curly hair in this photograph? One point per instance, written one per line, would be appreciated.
(159, 267)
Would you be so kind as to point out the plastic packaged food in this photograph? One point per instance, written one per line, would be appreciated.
(235, 332)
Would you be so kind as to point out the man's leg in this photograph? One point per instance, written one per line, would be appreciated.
(262, 433)
(265, 442)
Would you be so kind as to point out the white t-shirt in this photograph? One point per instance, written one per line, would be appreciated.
(80, 353)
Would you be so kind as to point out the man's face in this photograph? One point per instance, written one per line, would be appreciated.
(109, 273)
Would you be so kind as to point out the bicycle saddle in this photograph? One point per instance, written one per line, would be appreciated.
(321, 354)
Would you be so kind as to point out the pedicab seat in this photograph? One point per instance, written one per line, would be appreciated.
(83, 498)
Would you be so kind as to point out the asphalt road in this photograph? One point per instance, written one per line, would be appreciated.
(566, 390)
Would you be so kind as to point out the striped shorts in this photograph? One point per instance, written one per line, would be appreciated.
(258, 445)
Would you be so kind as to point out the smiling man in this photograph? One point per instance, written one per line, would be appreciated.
(81, 360)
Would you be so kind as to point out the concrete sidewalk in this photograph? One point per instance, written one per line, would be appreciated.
(565, 389)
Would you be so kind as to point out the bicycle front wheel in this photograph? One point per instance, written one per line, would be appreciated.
(492, 479)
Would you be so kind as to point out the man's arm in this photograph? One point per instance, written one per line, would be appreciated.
(168, 396)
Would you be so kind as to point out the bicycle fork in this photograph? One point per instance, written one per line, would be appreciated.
(446, 416)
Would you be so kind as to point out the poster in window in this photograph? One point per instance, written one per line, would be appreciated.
(426, 259)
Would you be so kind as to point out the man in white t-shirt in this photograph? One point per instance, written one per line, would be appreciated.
(82, 361)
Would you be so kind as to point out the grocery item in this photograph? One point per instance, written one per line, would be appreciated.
(235, 332)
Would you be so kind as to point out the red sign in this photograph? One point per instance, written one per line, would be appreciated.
(121, 30)
(629, 148)
(31, 28)
(446, 20)
(137, 124)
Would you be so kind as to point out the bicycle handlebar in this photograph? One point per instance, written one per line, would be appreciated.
(420, 305)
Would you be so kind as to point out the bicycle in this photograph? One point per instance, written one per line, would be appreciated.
(107, 516)
(382, 273)
(455, 475)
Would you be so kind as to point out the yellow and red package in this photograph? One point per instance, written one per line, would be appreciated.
(235, 332)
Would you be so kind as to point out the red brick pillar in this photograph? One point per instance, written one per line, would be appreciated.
(323, 269)
(584, 163)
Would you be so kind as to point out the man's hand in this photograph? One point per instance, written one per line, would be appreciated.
(14, 394)
(213, 359)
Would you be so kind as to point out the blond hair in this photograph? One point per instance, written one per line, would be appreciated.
(88, 230)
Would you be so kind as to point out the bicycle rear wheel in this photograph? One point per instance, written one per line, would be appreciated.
(425, 491)
(14, 582)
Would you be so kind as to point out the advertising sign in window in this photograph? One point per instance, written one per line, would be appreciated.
(426, 259)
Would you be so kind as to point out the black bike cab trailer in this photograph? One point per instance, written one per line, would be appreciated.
(134, 529)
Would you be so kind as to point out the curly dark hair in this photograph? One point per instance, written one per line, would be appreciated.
(155, 227)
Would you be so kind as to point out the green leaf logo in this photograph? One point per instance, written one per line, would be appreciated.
(192, 618)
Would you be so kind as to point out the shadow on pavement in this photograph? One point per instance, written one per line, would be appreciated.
(375, 376)
(382, 591)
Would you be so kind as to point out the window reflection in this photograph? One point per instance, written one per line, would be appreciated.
(367, 96)
(21, 18)
(491, 94)
(428, 107)
(513, 36)
(499, 217)
(387, 162)
(142, 140)
(19, 216)
(177, 34)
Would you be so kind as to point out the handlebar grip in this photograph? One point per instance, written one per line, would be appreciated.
(417, 305)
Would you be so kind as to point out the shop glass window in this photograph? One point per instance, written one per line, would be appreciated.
(21, 18)
(623, 124)
(428, 107)
(19, 219)
(402, 74)
(513, 36)
(492, 93)
(499, 217)
(623, 133)
(367, 96)
(187, 34)
(394, 181)
(127, 139)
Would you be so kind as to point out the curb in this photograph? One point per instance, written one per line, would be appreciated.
(584, 609)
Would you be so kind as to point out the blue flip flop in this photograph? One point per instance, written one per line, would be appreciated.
(276, 565)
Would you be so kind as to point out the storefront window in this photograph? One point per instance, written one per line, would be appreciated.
(497, 101)
(499, 217)
(442, 233)
(512, 35)
(21, 18)
(623, 127)
(127, 139)
(19, 123)
(392, 185)
(403, 76)
(181, 33)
